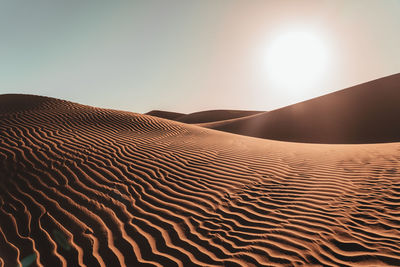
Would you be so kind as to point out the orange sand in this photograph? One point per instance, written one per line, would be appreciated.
(83, 186)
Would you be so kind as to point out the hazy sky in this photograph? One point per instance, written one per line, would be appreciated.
(186, 55)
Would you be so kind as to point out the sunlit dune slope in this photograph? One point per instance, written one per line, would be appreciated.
(366, 113)
(84, 186)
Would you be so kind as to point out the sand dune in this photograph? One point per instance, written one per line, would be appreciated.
(207, 116)
(215, 115)
(366, 113)
(165, 114)
(83, 186)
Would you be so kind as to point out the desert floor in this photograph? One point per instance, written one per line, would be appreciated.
(83, 186)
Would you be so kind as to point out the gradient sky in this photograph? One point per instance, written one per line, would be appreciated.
(186, 55)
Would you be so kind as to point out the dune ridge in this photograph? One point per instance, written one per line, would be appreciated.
(165, 114)
(84, 186)
(207, 116)
(215, 115)
(365, 113)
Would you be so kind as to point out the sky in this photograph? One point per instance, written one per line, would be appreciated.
(188, 55)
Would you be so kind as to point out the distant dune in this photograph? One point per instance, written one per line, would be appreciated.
(84, 186)
(215, 115)
(365, 113)
(203, 116)
(165, 114)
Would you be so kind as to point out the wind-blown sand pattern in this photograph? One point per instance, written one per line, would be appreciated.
(83, 186)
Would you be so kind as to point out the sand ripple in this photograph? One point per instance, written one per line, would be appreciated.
(81, 186)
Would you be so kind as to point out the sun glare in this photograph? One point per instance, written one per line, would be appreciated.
(296, 61)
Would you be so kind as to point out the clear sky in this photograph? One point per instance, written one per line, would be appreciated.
(188, 55)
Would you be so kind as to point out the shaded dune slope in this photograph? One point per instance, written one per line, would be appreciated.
(366, 113)
(215, 115)
(165, 114)
(83, 186)
(221, 124)
(207, 116)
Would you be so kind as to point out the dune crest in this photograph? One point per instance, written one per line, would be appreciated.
(165, 114)
(365, 113)
(84, 186)
(202, 117)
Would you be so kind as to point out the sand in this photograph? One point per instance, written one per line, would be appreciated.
(84, 186)
(204, 117)
(165, 114)
(365, 113)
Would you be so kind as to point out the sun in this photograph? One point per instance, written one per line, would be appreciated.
(296, 60)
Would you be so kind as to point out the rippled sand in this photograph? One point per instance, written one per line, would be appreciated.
(83, 186)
